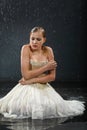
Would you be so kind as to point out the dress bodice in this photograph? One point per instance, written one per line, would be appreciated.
(37, 64)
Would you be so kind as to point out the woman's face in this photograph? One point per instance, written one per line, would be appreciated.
(36, 40)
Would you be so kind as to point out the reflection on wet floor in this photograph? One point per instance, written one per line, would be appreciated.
(25, 124)
(67, 91)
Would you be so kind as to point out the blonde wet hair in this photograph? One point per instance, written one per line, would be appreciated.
(38, 28)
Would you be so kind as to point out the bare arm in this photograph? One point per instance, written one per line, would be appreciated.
(47, 78)
(44, 79)
(25, 66)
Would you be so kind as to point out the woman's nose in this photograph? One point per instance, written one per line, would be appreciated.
(35, 41)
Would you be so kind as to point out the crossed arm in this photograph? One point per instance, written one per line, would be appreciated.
(31, 76)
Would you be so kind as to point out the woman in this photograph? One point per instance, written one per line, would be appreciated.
(33, 96)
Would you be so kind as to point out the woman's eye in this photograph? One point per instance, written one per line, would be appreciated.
(32, 38)
(38, 39)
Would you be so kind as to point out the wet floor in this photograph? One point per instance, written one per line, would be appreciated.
(67, 91)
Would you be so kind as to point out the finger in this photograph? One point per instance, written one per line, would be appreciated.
(23, 83)
(19, 81)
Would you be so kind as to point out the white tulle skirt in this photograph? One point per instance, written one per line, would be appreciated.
(38, 101)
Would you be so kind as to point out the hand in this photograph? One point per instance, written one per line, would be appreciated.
(25, 82)
(22, 81)
(51, 65)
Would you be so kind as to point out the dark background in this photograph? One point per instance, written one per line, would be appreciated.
(64, 22)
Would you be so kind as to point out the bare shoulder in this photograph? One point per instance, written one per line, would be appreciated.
(50, 53)
(24, 47)
(49, 49)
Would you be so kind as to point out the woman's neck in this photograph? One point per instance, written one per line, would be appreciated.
(38, 51)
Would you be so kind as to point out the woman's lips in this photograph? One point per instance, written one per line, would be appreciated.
(35, 46)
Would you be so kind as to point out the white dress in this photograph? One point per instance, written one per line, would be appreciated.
(38, 101)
